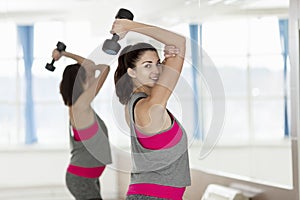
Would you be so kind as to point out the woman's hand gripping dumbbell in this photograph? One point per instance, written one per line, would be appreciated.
(56, 54)
(111, 46)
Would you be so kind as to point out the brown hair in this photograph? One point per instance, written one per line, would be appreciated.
(71, 86)
(127, 59)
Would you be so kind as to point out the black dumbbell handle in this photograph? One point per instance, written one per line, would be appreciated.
(115, 37)
(52, 62)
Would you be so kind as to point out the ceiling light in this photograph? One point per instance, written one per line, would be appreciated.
(228, 2)
(212, 2)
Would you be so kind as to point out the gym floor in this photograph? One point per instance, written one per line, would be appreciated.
(37, 193)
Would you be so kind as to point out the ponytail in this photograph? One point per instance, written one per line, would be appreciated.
(123, 82)
(71, 86)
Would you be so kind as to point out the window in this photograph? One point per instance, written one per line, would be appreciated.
(247, 54)
(10, 85)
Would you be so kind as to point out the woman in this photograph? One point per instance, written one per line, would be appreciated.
(88, 134)
(144, 86)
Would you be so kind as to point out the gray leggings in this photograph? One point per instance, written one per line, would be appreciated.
(83, 188)
(142, 197)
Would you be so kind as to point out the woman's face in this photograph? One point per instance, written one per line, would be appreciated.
(148, 69)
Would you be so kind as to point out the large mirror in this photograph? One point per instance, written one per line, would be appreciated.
(250, 53)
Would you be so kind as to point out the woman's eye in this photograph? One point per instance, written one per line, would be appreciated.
(148, 66)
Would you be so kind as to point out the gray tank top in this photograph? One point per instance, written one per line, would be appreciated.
(94, 152)
(168, 166)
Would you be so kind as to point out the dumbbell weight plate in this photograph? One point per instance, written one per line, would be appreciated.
(61, 46)
(124, 14)
(50, 67)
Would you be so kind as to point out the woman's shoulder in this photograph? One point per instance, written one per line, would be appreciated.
(137, 95)
(134, 99)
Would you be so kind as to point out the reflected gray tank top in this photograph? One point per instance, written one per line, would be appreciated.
(93, 152)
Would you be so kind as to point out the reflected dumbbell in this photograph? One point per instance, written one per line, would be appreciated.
(60, 47)
(111, 46)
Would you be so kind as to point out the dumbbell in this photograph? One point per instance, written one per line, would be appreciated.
(60, 47)
(111, 46)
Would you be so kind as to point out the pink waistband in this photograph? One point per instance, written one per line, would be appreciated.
(85, 134)
(155, 190)
(88, 172)
(163, 140)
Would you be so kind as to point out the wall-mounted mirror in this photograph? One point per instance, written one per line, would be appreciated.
(250, 52)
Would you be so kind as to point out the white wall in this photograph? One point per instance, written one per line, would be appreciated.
(41, 166)
(266, 164)
(36, 167)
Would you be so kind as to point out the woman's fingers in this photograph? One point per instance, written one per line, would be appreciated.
(56, 55)
(170, 51)
(119, 28)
